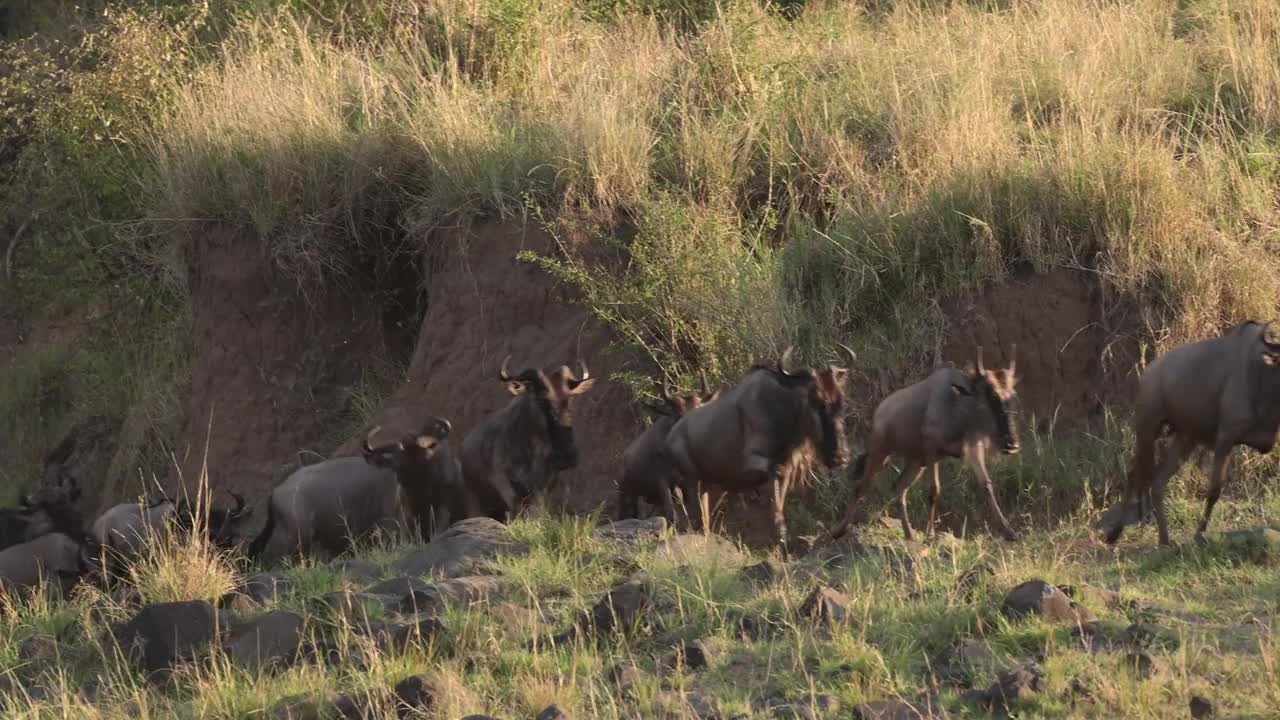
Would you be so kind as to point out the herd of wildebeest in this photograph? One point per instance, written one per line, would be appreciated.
(760, 434)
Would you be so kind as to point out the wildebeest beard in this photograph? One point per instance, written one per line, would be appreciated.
(999, 413)
(834, 449)
(564, 451)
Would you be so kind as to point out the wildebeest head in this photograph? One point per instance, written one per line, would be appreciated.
(826, 398)
(553, 393)
(52, 508)
(677, 405)
(224, 522)
(998, 390)
(414, 449)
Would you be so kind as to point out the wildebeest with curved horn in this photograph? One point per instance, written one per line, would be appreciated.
(432, 494)
(951, 413)
(762, 431)
(515, 452)
(329, 505)
(123, 529)
(50, 509)
(1216, 393)
(646, 469)
(55, 558)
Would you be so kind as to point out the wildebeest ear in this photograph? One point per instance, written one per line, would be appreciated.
(516, 387)
(427, 442)
(1270, 359)
(577, 387)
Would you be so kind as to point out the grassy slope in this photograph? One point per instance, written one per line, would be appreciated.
(1206, 598)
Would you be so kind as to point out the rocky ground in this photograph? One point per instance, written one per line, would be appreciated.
(560, 618)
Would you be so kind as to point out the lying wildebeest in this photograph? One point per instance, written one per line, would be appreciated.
(764, 430)
(431, 492)
(329, 505)
(952, 413)
(1217, 394)
(646, 469)
(514, 453)
(51, 509)
(55, 558)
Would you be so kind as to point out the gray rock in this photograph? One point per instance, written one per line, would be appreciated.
(399, 636)
(265, 587)
(238, 603)
(763, 573)
(1013, 686)
(462, 549)
(397, 586)
(963, 662)
(695, 655)
(1036, 597)
(459, 592)
(356, 605)
(163, 634)
(896, 710)
(620, 609)
(354, 707)
(688, 548)
(624, 676)
(414, 694)
(40, 648)
(553, 712)
(825, 606)
(1143, 664)
(1256, 545)
(361, 571)
(631, 531)
(1201, 708)
(968, 584)
(269, 642)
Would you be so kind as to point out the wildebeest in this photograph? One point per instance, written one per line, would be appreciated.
(123, 529)
(328, 505)
(763, 430)
(1216, 393)
(515, 452)
(51, 509)
(646, 469)
(952, 413)
(432, 494)
(55, 557)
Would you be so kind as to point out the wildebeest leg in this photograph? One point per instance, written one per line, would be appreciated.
(1174, 457)
(935, 489)
(977, 456)
(664, 495)
(781, 482)
(909, 475)
(1221, 462)
(861, 486)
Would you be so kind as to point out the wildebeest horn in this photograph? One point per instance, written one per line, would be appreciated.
(368, 444)
(980, 367)
(239, 508)
(853, 356)
(702, 375)
(1266, 333)
(1013, 357)
(502, 374)
(442, 427)
(667, 394)
(582, 365)
(785, 360)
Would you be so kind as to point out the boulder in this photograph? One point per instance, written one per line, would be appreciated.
(397, 586)
(1201, 708)
(265, 587)
(1049, 602)
(630, 531)
(553, 712)
(361, 571)
(269, 642)
(414, 694)
(963, 662)
(763, 573)
(462, 549)
(618, 610)
(825, 606)
(160, 635)
(459, 592)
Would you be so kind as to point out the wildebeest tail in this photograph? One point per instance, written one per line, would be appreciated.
(260, 542)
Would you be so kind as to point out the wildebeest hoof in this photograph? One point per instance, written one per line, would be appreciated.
(1200, 539)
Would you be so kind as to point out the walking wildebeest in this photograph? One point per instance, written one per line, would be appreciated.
(51, 509)
(646, 469)
(514, 453)
(124, 529)
(1216, 393)
(764, 430)
(432, 495)
(330, 504)
(950, 414)
(56, 558)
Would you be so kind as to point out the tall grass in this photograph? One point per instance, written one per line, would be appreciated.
(826, 174)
